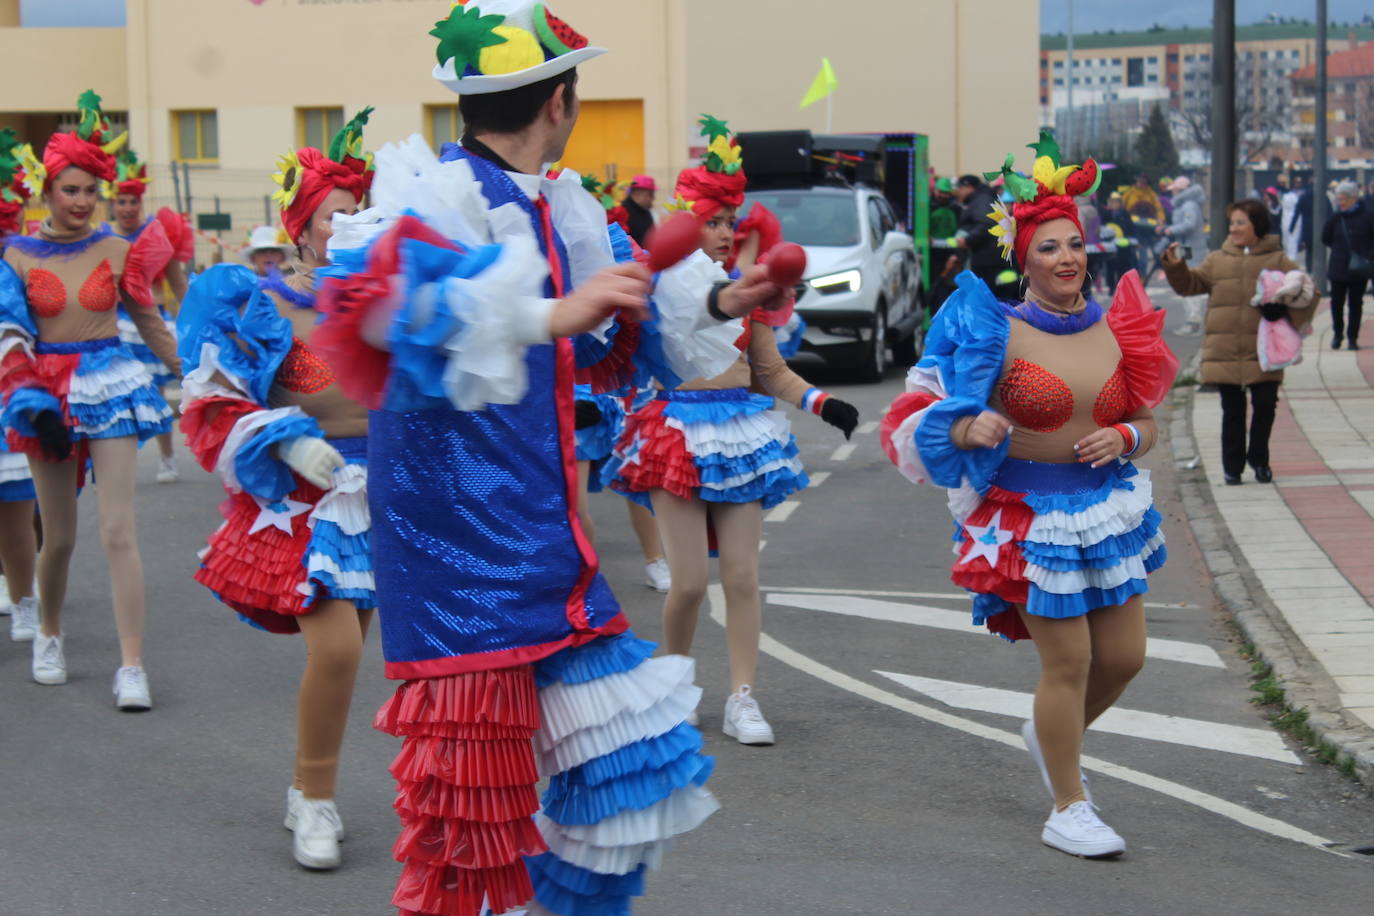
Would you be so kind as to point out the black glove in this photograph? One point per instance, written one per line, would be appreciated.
(842, 415)
(53, 435)
(585, 414)
(1273, 311)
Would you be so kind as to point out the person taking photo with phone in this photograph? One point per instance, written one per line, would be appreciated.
(1187, 229)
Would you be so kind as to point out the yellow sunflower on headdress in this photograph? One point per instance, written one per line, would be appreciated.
(1005, 229)
(34, 172)
(678, 203)
(288, 179)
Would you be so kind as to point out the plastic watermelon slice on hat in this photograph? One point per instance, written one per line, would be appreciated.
(555, 34)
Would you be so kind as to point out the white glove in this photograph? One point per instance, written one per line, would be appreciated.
(312, 458)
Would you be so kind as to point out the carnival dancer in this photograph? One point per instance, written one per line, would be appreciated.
(18, 540)
(293, 554)
(125, 194)
(1027, 412)
(712, 455)
(73, 391)
(492, 607)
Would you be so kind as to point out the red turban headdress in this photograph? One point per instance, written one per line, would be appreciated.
(1047, 195)
(306, 177)
(131, 176)
(719, 180)
(88, 147)
(16, 181)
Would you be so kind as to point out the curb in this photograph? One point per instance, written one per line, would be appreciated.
(1306, 685)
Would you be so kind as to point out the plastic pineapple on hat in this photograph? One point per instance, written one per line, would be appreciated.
(131, 177)
(498, 45)
(719, 180)
(21, 177)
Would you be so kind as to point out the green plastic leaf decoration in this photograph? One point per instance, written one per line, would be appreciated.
(463, 35)
(349, 140)
(8, 140)
(1021, 187)
(91, 116)
(589, 183)
(1047, 146)
(1006, 167)
(712, 127)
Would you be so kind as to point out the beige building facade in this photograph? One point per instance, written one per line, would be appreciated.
(227, 85)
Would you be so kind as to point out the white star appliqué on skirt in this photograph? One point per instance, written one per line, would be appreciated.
(987, 540)
(277, 514)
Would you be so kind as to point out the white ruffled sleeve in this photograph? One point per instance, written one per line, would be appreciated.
(695, 344)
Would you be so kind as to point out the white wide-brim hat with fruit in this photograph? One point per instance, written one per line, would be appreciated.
(498, 45)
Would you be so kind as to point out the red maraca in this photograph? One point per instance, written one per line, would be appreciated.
(786, 264)
(672, 240)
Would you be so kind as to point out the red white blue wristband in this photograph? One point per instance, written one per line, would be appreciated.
(813, 399)
(1131, 435)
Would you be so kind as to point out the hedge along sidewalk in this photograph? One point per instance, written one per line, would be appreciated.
(1292, 561)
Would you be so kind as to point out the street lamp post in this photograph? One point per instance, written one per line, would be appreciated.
(1223, 114)
(1319, 201)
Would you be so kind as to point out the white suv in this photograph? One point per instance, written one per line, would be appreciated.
(861, 294)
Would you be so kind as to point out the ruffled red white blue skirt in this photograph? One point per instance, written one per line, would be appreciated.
(1059, 539)
(273, 562)
(128, 332)
(16, 482)
(603, 722)
(595, 443)
(726, 445)
(103, 391)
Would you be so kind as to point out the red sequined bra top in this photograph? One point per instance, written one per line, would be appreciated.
(1037, 399)
(302, 372)
(48, 294)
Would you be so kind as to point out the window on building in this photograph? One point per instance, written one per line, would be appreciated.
(1293, 54)
(1116, 61)
(445, 125)
(1153, 60)
(1059, 80)
(1188, 93)
(1135, 71)
(1171, 57)
(195, 136)
(317, 126)
(1059, 65)
(1189, 58)
(1152, 78)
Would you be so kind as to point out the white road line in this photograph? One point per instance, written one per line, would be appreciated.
(817, 478)
(1167, 787)
(1173, 650)
(1133, 723)
(950, 596)
(843, 452)
(782, 511)
(866, 428)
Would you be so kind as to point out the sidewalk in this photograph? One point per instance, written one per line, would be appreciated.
(1309, 538)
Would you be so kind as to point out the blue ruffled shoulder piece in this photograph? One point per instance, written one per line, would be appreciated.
(14, 301)
(227, 307)
(967, 342)
(35, 247)
(274, 282)
(425, 321)
(132, 236)
(589, 349)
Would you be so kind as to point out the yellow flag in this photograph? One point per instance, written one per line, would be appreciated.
(822, 85)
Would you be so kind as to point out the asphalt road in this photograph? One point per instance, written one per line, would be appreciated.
(885, 792)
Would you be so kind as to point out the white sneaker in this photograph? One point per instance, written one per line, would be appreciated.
(294, 799)
(167, 470)
(49, 664)
(1078, 831)
(1033, 745)
(315, 840)
(744, 720)
(131, 688)
(657, 575)
(24, 620)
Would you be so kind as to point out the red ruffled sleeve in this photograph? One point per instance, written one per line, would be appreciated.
(179, 233)
(147, 259)
(207, 423)
(904, 406)
(1148, 363)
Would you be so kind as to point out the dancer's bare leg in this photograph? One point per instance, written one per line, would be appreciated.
(116, 463)
(646, 531)
(682, 522)
(55, 483)
(18, 548)
(738, 529)
(1065, 647)
(584, 469)
(1118, 647)
(334, 634)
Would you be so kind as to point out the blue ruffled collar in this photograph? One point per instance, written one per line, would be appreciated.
(132, 236)
(1055, 322)
(38, 247)
(274, 282)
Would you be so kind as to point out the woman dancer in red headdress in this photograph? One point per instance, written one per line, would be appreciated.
(73, 391)
(126, 206)
(711, 455)
(1028, 413)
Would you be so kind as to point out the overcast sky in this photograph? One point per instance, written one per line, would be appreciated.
(1125, 15)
